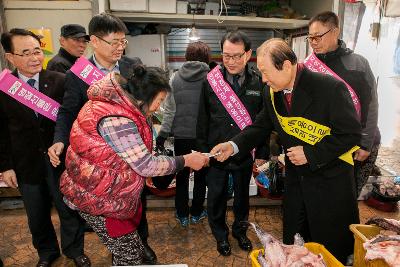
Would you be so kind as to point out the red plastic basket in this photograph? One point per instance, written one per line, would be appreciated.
(169, 192)
(264, 192)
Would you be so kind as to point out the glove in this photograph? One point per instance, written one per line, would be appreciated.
(160, 140)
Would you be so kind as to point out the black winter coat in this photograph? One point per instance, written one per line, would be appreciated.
(215, 125)
(25, 138)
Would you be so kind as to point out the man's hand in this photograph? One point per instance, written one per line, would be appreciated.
(195, 160)
(225, 150)
(54, 153)
(10, 178)
(296, 155)
(361, 154)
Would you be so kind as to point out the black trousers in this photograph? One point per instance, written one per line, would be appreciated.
(182, 147)
(217, 182)
(320, 208)
(37, 199)
(143, 228)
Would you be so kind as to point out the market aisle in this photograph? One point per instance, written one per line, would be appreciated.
(194, 246)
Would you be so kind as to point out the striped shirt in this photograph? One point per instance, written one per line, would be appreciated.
(124, 138)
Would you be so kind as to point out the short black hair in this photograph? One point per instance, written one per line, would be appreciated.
(237, 37)
(104, 24)
(279, 51)
(198, 51)
(146, 82)
(326, 17)
(6, 38)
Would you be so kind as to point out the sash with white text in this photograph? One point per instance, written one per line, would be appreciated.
(28, 96)
(314, 64)
(86, 71)
(228, 98)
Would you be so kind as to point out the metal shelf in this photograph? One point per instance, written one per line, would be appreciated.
(211, 21)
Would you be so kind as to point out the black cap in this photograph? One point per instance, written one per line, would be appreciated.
(74, 31)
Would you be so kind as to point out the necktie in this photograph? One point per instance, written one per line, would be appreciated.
(288, 97)
(31, 82)
(236, 85)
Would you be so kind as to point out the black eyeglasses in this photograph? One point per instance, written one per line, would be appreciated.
(27, 54)
(234, 57)
(318, 37)
(115, 43)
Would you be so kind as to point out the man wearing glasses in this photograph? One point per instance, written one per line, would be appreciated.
(24, 138)
(356, 72)
(216, 125)
(107, 37)
(73, 41)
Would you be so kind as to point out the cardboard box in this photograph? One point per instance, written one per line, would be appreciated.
(212, 8)
(162, 6)
(129, 5)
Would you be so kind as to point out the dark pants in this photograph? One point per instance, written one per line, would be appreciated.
(182, 147)
(320, 208)
(217, 182)
(143, 228)
(37, 200)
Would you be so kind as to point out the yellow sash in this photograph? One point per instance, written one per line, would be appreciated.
(308, 131)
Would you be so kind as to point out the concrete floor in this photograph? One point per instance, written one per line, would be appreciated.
(194, 246)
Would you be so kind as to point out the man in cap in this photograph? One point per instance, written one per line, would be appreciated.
(73, 41)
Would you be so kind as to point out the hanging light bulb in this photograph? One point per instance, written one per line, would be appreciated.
(193, 34)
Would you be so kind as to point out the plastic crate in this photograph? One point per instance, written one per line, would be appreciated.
(315, 248)
(361, 234)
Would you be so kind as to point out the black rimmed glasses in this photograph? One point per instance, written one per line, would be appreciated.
(115, 43)
(317, 37)
(236, 57)
(27, 54)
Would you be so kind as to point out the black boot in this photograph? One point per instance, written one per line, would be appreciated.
(149, 256)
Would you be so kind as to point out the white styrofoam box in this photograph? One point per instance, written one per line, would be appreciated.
(162, 6)
(252, 187)
(211, 8)
(129, 5)
(181, 7)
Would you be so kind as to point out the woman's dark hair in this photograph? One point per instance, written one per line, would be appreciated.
(6, 38)
(198, 51)
(104, 24)
(326, 18)
(279, 51)
(237, 37)
(146, 82)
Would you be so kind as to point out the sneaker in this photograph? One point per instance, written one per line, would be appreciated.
(197, 219)
(184, 221)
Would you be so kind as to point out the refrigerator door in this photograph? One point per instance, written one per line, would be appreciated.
(150, 48)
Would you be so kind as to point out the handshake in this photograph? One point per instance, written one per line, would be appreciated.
(197, 160)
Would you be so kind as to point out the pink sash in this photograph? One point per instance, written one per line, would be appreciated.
(86, 71)
(314, 64)
(228, 98)
(28, 96)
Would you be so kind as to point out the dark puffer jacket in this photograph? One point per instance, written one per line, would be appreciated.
(182, 106)
(355, 70)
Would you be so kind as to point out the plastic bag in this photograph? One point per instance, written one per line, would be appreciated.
(162, 182)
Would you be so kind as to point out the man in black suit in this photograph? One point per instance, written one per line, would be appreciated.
(73, 41)
(215, 125)
(24, 138)
(320, 199)
(107, 36)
